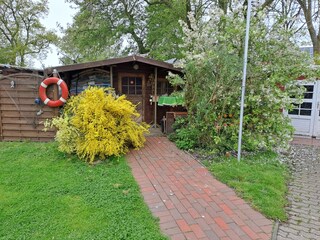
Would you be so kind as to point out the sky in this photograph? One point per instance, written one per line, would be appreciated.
(59, 12)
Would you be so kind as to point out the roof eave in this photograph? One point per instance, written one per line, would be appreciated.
(114, 61)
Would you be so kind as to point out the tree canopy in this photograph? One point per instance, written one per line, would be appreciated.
(102, 28)
(212, 65)
(300, 15)
(22, 35)
(109, 28)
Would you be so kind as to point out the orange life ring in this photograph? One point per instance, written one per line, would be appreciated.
(43, 93)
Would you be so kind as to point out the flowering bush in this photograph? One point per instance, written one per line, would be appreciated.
(96, 124)
(212, 81)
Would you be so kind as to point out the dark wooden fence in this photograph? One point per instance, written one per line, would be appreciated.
(20, 117)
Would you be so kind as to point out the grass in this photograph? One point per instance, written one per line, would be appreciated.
(47, 195)
(260, 179)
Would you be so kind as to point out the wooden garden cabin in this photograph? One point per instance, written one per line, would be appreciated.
(135, 76)
(141, 79)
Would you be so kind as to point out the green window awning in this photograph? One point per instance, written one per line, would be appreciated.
(170, 101)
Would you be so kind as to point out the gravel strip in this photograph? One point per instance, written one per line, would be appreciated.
(304, 194)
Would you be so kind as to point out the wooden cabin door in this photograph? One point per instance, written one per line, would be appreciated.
(133, 86)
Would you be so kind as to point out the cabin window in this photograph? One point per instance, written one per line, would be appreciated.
(132, 85)
(164, 87)
(83, 80)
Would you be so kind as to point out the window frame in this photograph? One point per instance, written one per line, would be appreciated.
(131, 75)
(165, 85)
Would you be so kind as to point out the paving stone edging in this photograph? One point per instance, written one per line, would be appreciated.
(275, 230)
(304, 194)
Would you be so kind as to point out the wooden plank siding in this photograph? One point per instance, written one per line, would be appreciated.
(19, 120)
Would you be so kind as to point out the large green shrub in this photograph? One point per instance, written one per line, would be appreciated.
(212, 82)
(97, 124)
(184, 137)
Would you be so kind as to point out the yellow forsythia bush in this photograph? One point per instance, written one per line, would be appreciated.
(96, 124)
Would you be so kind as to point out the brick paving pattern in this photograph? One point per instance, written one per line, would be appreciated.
(304, 192)
(188, 200)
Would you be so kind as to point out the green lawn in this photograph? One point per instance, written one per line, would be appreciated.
(47, 195)
(260, 179)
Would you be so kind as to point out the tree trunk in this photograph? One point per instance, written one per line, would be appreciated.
(223, 4)
(188, 9)
(22, 62)
(307, 11)
(141, 47)
(316, 48)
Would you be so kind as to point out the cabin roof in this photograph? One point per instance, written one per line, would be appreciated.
(114, 61)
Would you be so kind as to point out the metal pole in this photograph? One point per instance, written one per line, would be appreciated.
(244, 76)
(155, 96)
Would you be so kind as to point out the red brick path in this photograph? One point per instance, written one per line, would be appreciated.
(190, 203)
